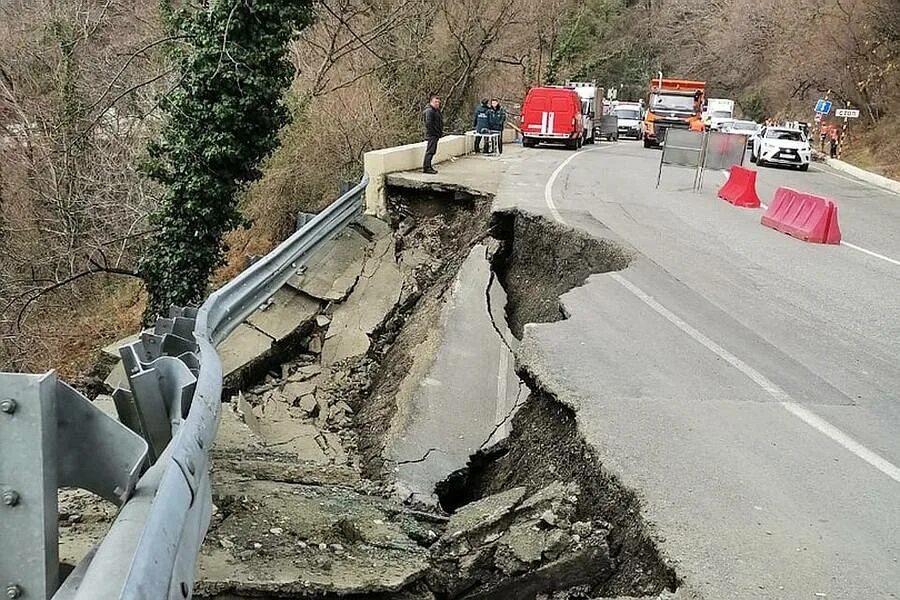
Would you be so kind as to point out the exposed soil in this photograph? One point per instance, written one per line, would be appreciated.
(542, 260)
(545, 446)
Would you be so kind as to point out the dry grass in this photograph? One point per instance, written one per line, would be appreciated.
(70, 331)
(877, 149)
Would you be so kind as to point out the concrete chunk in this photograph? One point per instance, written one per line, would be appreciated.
(285, 314)
(332, 272)
(485, 513)
(375, 295)
(243, 346)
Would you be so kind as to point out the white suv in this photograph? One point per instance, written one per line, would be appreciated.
(781, 146)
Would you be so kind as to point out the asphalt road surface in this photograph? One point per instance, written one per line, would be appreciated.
(744, 383)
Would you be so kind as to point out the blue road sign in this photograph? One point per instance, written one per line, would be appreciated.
(823, 106)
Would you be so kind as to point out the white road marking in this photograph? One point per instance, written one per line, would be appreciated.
(783, 398)
(893, 261)
(870, 253)
(548, 189)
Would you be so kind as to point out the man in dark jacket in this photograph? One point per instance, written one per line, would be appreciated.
(434, 130)
(481, 121)
(498, 122)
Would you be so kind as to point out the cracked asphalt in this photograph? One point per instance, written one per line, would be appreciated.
(743, 383)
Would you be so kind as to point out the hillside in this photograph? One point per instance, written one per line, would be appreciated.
(80, 84)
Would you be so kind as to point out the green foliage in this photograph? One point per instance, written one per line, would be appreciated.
(584, 39)
(754, 106)
(222, 120)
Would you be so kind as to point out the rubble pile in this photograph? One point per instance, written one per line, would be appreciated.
(515, 545)
(304, 412)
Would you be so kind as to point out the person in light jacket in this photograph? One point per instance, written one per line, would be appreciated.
(434, 130)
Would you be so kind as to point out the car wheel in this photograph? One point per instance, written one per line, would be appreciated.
(528, 142)
(804, 167)
(760, 162)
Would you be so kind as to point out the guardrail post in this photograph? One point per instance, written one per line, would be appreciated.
(29, 553)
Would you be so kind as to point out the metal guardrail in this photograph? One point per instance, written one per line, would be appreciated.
(51, 436)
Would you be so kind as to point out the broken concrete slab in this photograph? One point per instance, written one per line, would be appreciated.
(470, 390)
(234, 433)
(331, 272)
(481, 515)
(243, 346)
(286, 312)
(474, 176)
(525, 544)
(112, 350)
(375, 295)
(326, 541)
(293, 391)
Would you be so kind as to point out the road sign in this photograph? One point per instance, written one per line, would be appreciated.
(847, 113)
(823, 106)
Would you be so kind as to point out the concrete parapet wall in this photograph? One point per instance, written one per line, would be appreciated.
(379, 163)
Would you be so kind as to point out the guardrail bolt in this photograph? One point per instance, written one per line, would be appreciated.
(10, 497)
(13, 591)
(8, 406)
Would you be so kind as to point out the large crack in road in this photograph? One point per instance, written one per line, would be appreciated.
(333, 479)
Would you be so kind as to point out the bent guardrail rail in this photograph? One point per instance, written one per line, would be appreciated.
(51, 436)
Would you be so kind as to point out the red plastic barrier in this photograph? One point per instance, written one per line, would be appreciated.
(740, 189)
(803, 216)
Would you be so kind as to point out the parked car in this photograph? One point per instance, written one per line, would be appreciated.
(748, 128)
(781, 146)
(630, 119)
(552, 114)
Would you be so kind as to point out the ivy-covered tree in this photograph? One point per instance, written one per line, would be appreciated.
(223, 118)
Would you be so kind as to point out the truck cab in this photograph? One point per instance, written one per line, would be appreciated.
(672, 103)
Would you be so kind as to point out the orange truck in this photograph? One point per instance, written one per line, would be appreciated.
(672, 103)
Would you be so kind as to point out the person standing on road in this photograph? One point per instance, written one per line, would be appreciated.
(835, 140)
(481, 121)
(434, 130)
(498, 122)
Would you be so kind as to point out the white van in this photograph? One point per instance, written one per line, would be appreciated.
(719, 111)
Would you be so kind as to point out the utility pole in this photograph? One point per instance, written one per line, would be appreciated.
(844, 128)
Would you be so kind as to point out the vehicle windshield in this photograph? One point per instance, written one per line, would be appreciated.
(672, 102)
(785, 134)
(628, 113)
(721, 114)
(744, 125)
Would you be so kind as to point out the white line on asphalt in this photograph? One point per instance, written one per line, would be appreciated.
(766, 384)
(783, 398)
(548, 189)
(870, 253)
(893, 261)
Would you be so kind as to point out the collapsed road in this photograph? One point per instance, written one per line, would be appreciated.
(391, 505)
(386, 447)
(503, 399)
